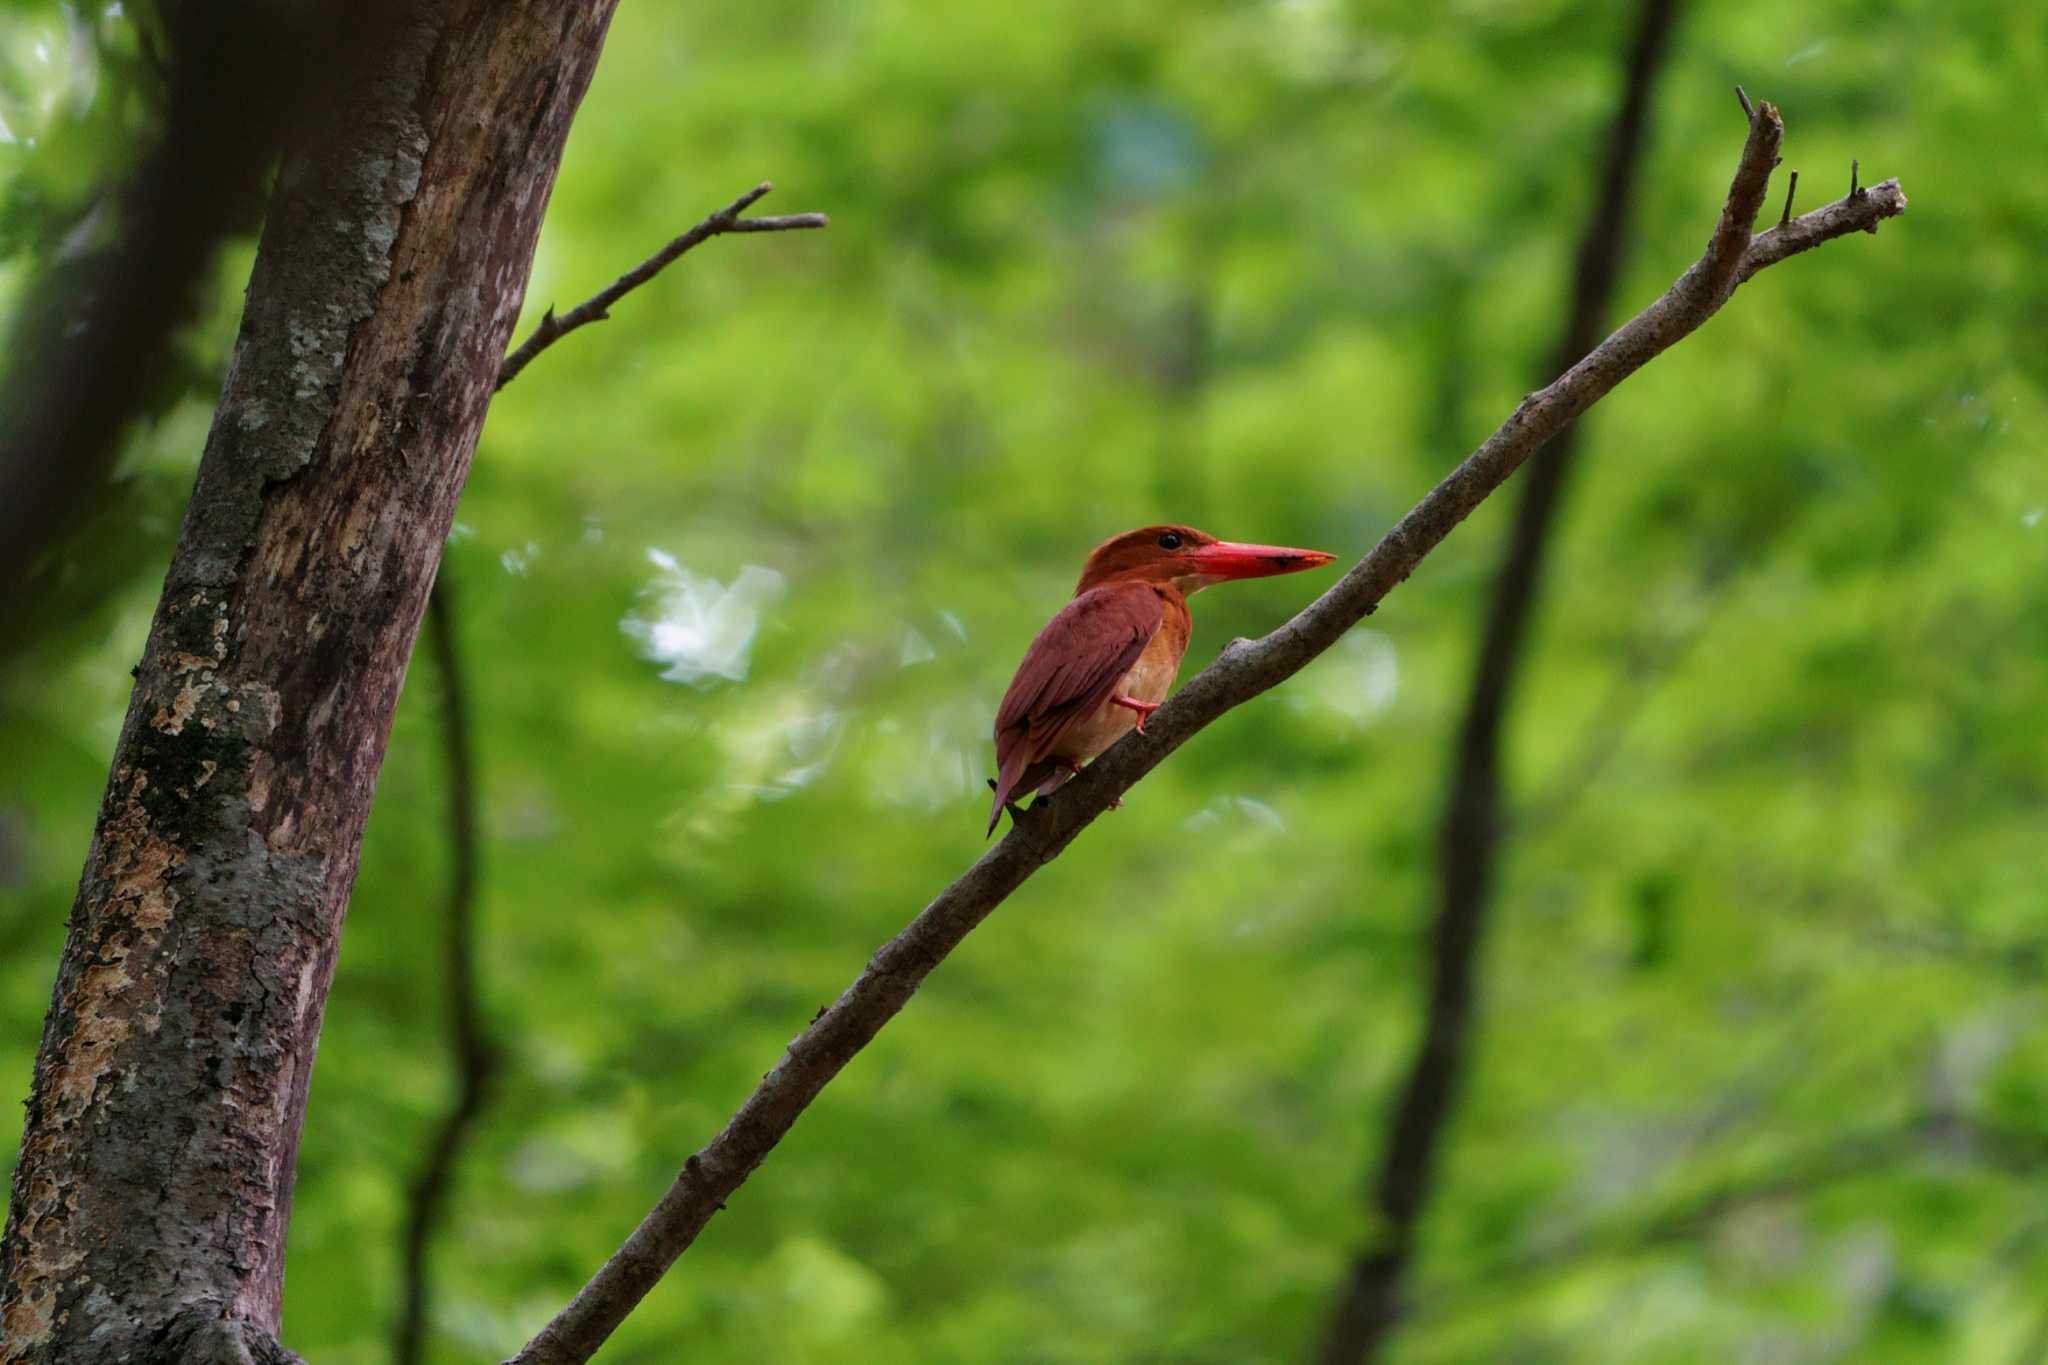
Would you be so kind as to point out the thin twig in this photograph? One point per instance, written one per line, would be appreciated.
(1791, 188)
(1369, 1302)
(1861, 211)
(476, 1054)
(1244, 669)
(596, 308)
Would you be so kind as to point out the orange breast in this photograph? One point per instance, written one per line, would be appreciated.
(1149, 679)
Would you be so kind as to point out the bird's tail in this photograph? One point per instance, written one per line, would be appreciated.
(1004, 783)
(1016, 774)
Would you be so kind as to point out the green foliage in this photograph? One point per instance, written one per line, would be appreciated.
(1774, 884)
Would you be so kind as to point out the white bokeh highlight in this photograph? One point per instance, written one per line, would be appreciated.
(700, 628)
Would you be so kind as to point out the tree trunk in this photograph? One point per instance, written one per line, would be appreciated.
(154, 1183)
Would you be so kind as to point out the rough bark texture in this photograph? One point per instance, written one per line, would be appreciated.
(1245, 669)
(1370, 1302)
(154, 1184)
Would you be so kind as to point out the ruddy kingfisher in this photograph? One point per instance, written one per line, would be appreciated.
(1105, 662)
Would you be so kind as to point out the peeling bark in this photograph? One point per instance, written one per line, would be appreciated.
(154, 1183)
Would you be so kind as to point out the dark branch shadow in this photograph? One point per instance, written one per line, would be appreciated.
(475, 1053)
(1370, 1303)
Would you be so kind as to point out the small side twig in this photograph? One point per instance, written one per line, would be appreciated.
(476, 1053)
(1860, 211)
(1791, 189)
(596, 308)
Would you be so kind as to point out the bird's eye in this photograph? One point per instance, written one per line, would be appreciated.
(1170, 541)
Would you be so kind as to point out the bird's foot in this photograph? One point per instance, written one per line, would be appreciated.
(1143, 708)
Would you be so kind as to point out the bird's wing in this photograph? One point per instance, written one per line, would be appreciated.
(1068, 673)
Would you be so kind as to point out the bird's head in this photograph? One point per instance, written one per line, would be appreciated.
(1188, 559)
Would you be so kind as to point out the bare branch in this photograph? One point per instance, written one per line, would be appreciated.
(476, 1053)
(597, 307)
(1245, 669)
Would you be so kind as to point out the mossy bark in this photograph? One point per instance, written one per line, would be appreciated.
(154, 1184)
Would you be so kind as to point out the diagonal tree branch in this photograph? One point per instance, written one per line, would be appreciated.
(597, 307)
(1245, 669)
(1369, 1304)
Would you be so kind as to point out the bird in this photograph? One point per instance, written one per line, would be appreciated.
(1103, 664)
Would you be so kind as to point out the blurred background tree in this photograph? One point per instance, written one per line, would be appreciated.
(745, 569)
